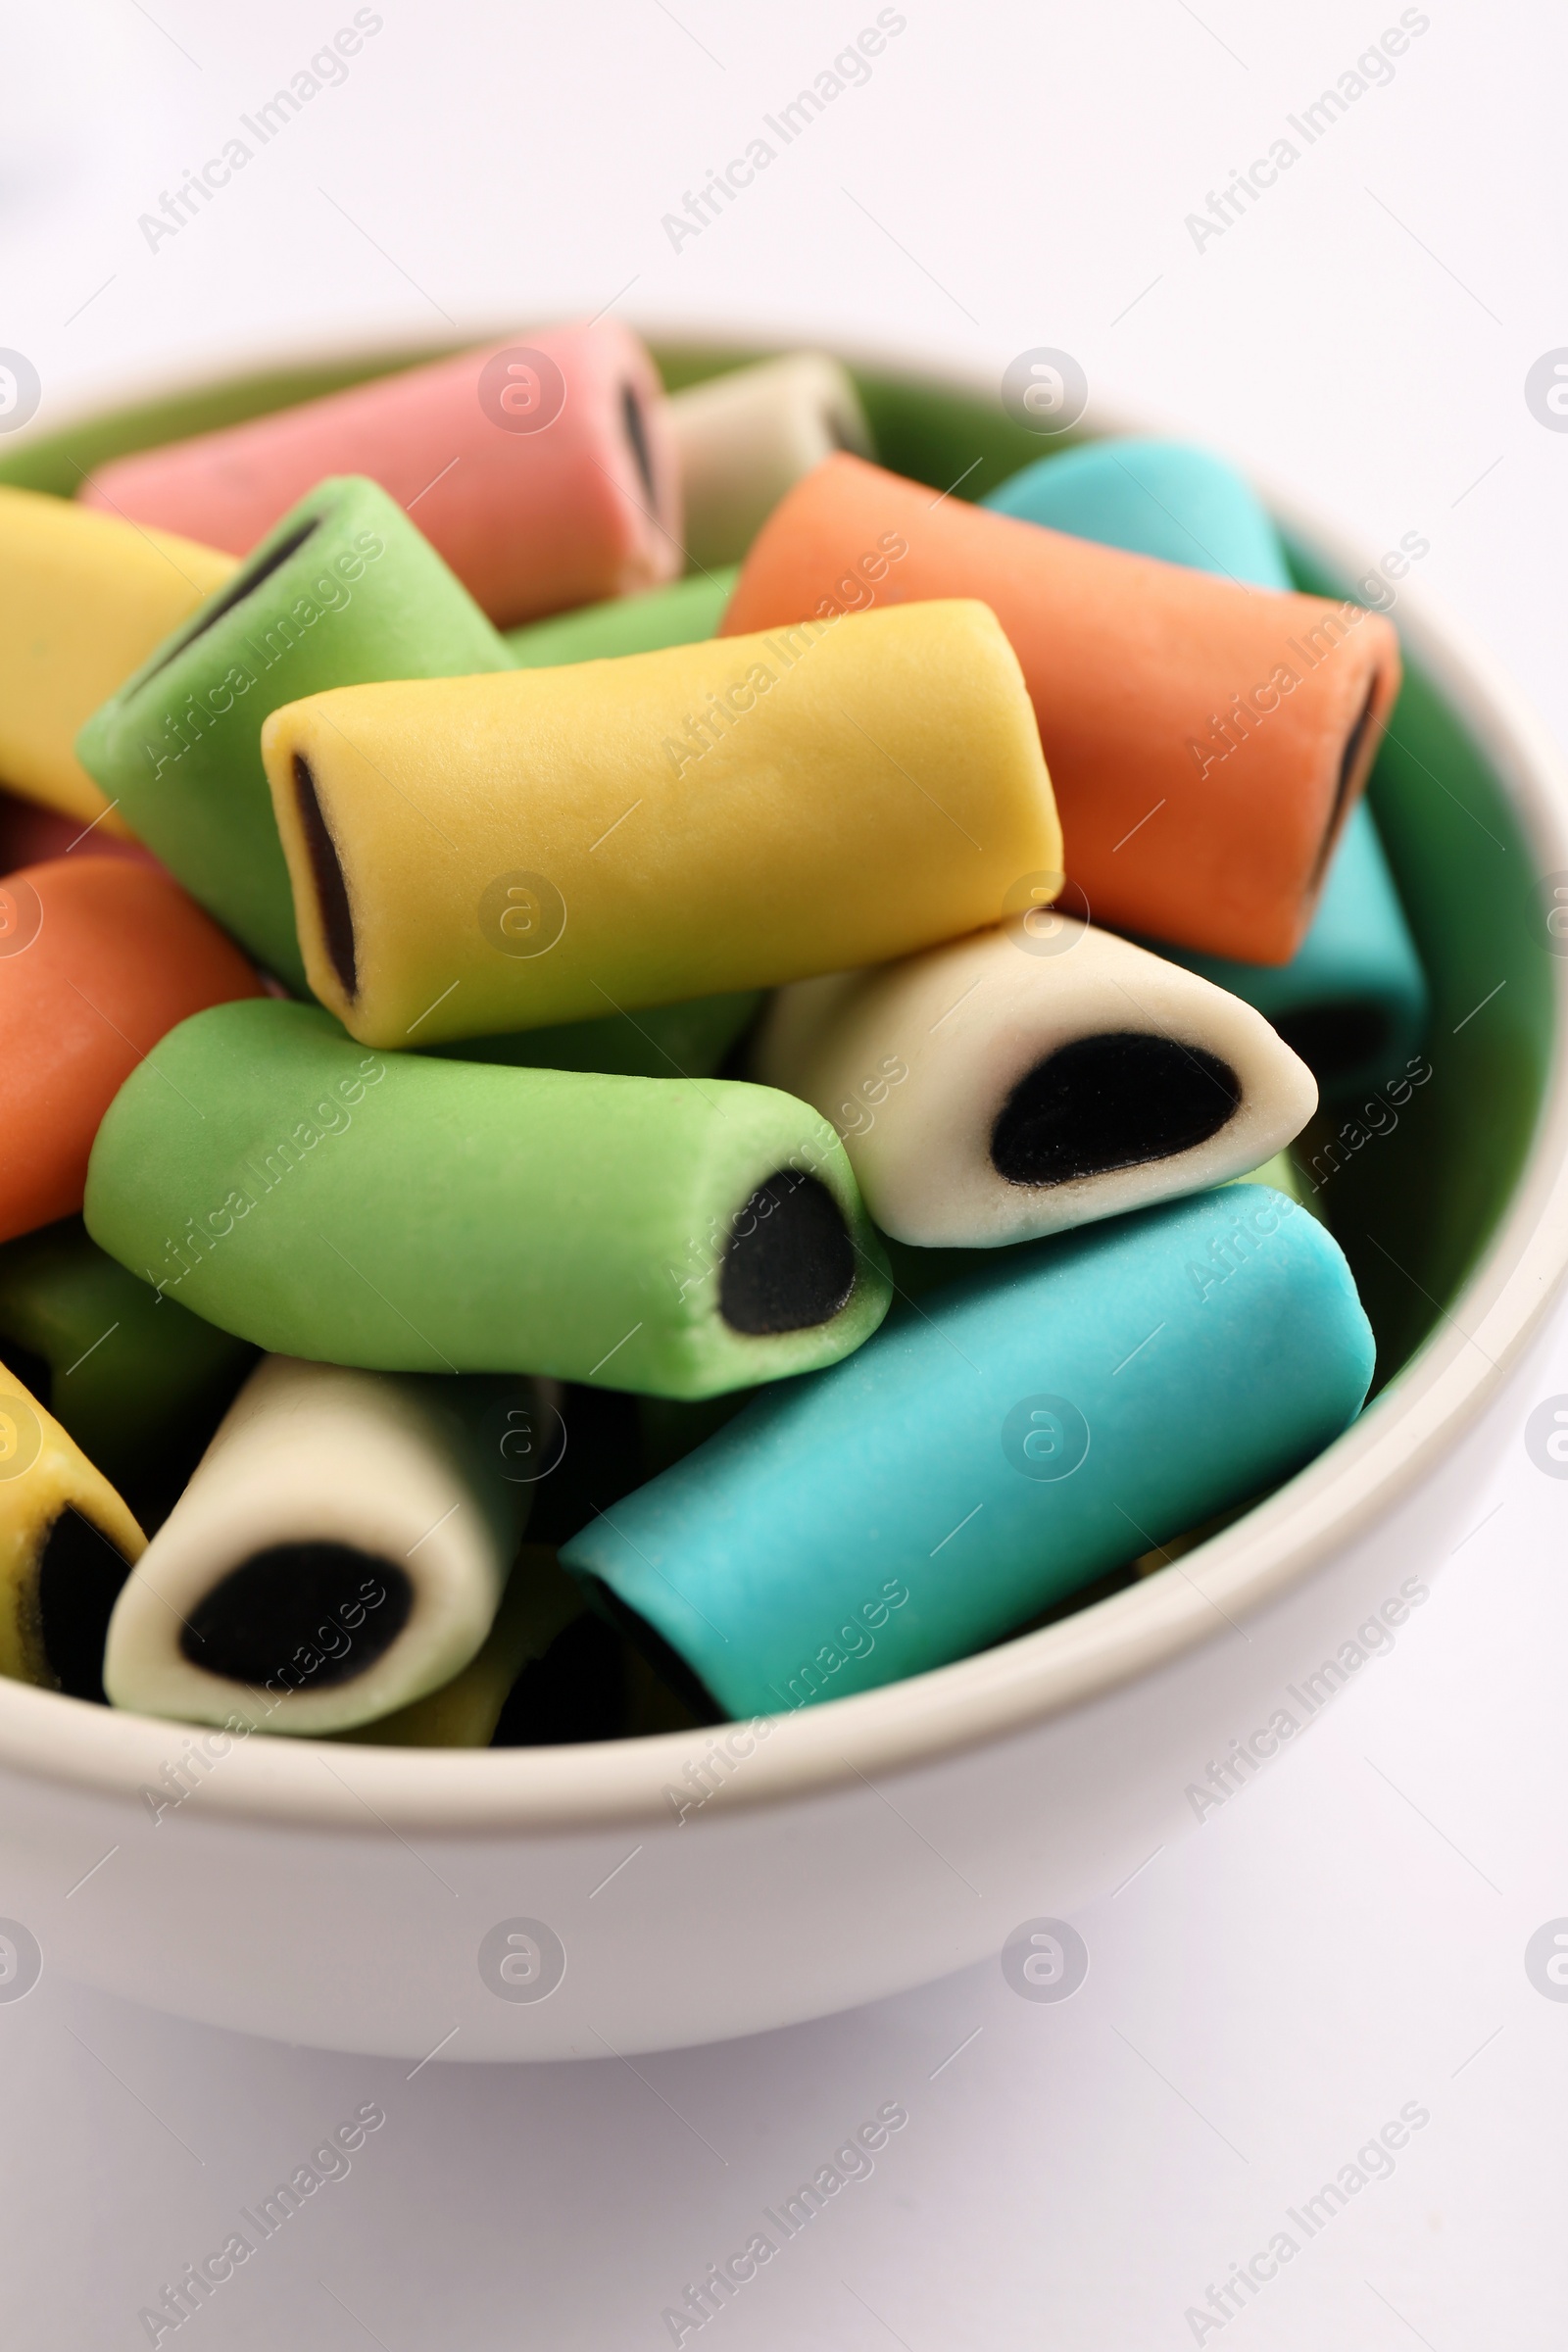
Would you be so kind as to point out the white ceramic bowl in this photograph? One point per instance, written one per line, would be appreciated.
(341, 1895)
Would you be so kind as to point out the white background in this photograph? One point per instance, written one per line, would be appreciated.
(1349, 1935)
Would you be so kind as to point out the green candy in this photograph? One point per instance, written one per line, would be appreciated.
(683, 614)
(138, 1382)
(343, 592)
(412, 1214)
(660, 1041)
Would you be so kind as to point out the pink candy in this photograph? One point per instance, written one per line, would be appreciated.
(543, 470)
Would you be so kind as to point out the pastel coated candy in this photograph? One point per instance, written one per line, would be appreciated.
(83, 600)
(1206, 742)
(541, 469)
(98, 957)
(540, 1603)
(136, 1381)
(683, 614)
(417, 1215)
(346, 588)
(341, 1551)
(918, 1271)
(987, 1093)
(1353, 1000)
(491, 853)
(67, 1542)
(1171, 499)
(983, 1457)
(748, 437)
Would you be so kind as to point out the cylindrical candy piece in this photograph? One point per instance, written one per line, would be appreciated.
(346, 588)
(543, 470)
(427, 1215)
(98, 958)
(488, 854)
(747, 437)
(137, 1381)
(1352, 999)
(683, 614)
(1205, 741)
(987, 1093)
(1171, 499)
(341, 1550)
(1031, 1427)
(83, 600)
(67, 1543)
(539, 1604)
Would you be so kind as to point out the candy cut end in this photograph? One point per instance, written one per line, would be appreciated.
(80, 1573)
(790, 1261)
(248, 578)
(1110, 1102)
(636, 429)
(1349, 760)
(326, 872)
(667, 1663)
(252, 1626)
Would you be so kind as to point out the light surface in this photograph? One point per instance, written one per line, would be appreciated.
(1327, 1947)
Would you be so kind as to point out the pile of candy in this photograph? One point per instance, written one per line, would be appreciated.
(396, 853)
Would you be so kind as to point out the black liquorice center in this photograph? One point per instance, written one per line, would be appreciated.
(636, 425)
(1109, 1102)
(79, 1576)
(790, 1261)
(269, 1618)
(326, 872)
(245, 582)
(1349, 760)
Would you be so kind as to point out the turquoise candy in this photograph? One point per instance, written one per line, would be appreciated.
(1352, 1001)
(1168, 499)
(1076, 1402)
(346, 590)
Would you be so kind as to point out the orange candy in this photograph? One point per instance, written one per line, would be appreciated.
(1206, 740)
(99, 956)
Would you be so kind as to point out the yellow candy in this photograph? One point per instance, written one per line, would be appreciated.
(65, 1539)
(475, 855)
(84, 599)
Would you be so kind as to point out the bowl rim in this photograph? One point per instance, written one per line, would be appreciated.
(1003, 1693)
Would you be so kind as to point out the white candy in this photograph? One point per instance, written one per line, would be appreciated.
(409, 1472)
(747, 437)
(917, 1064)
